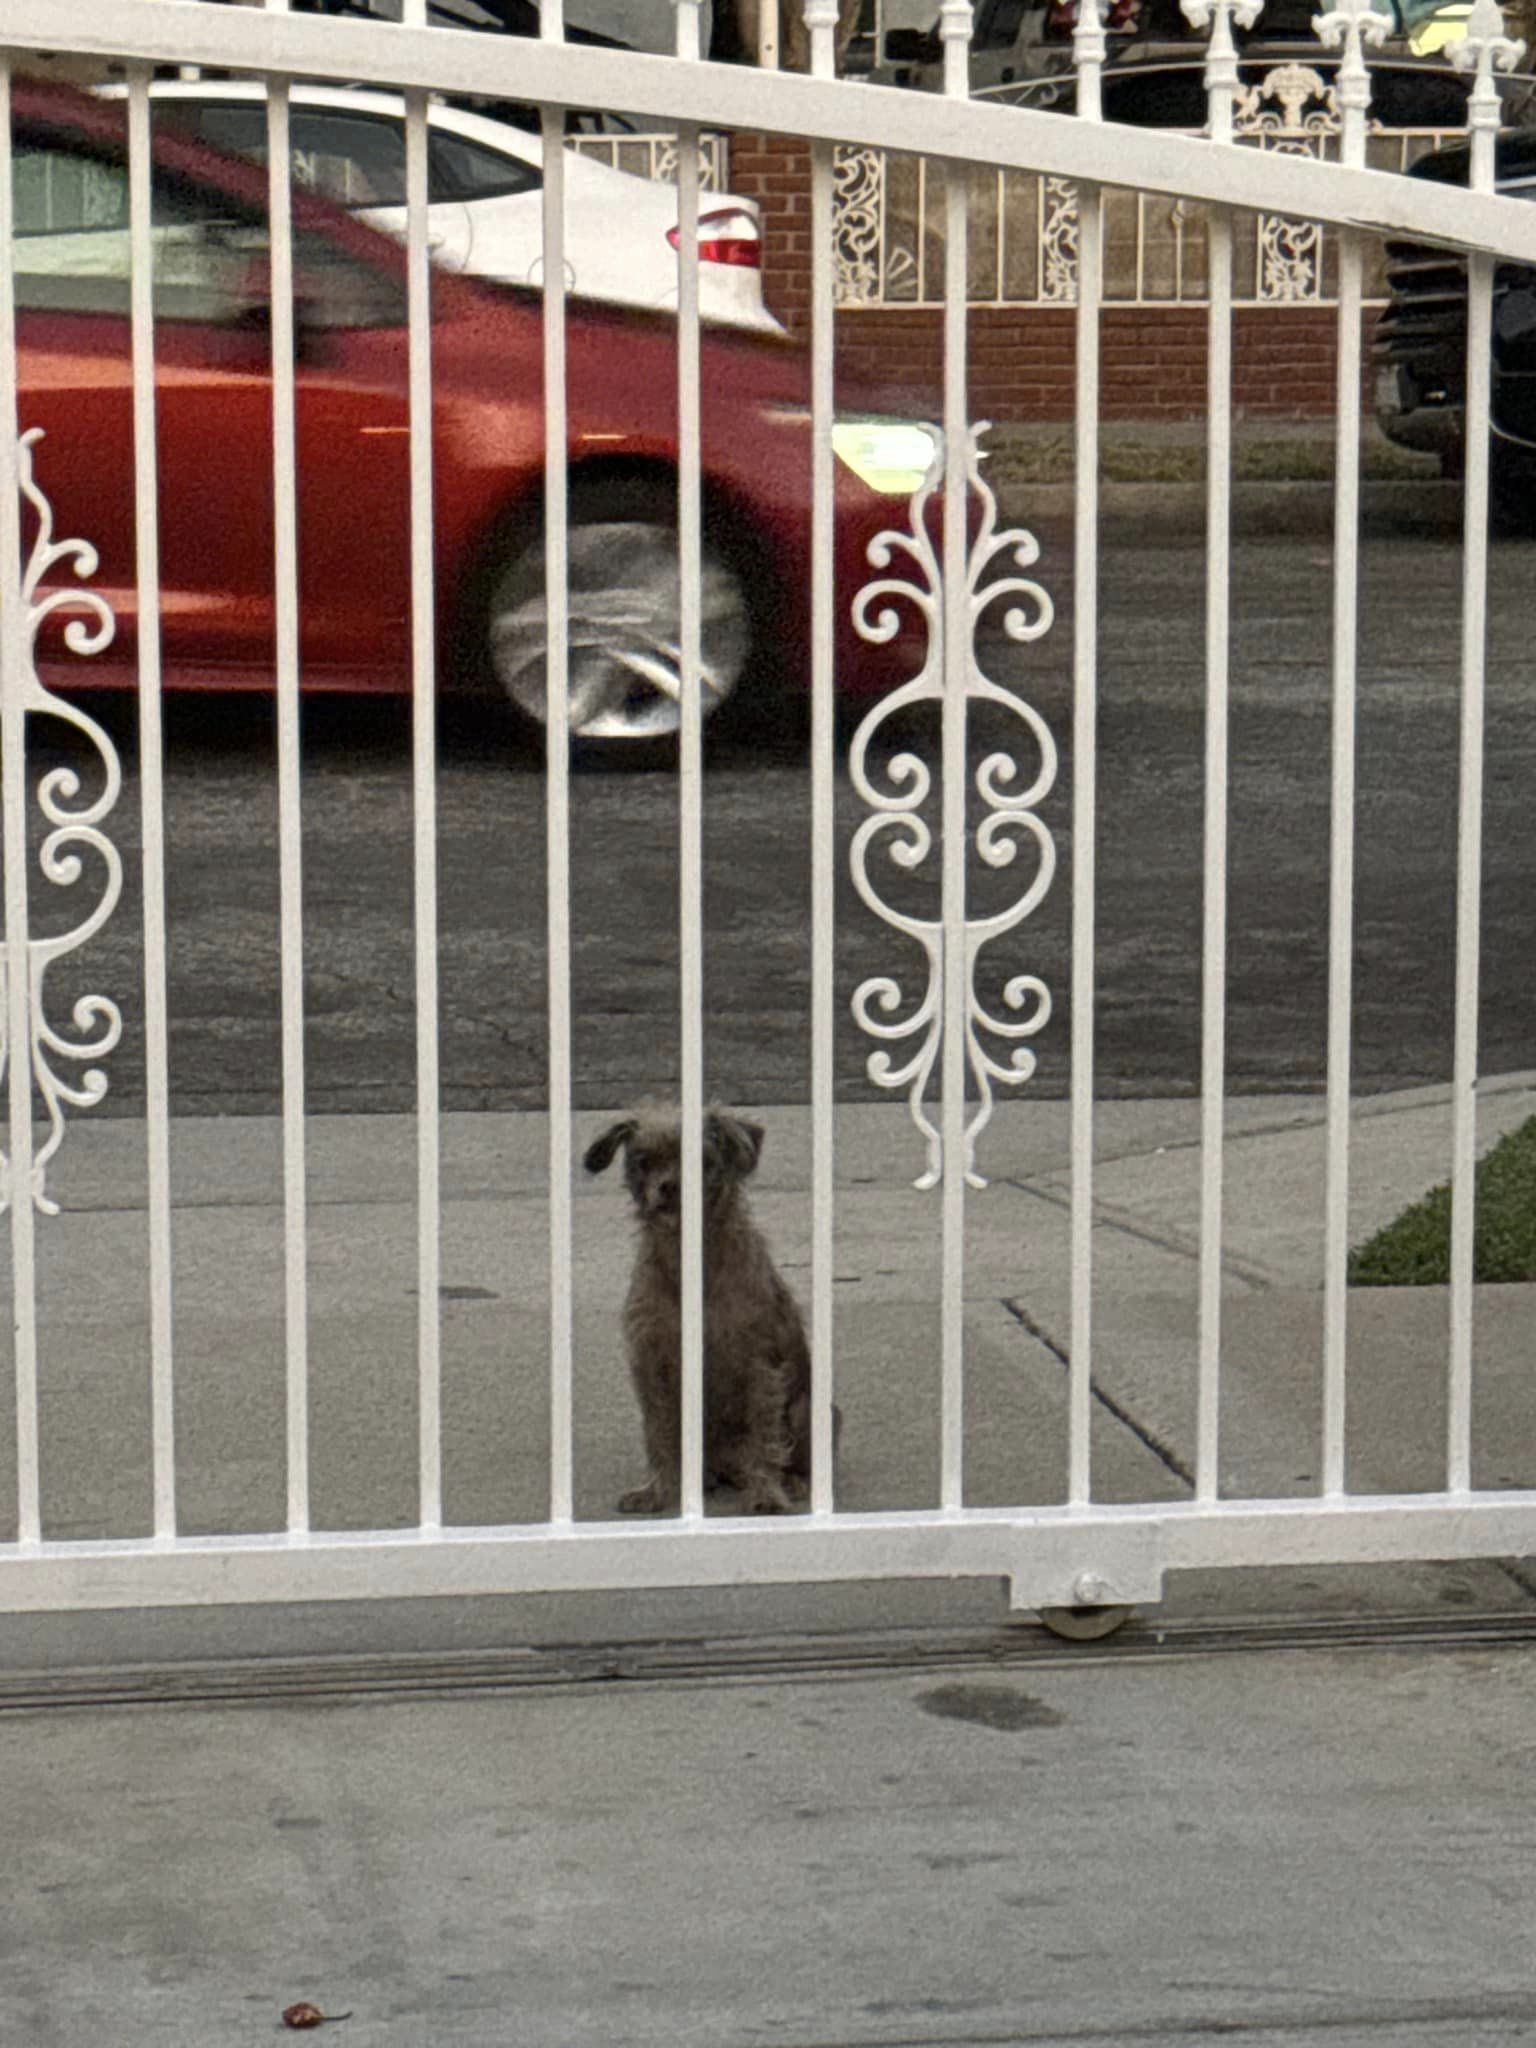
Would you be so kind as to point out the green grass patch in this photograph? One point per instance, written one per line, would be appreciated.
(1415, 1251)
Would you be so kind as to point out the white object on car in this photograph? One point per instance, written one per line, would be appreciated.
(485, 194)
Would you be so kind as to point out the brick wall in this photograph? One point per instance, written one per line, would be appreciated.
(1152, 359)
(1152, 362)
(777, 173)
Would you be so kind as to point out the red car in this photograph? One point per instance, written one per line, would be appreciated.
(214, 414)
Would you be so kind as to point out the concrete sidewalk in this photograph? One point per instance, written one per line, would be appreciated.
(1281, 1846)
(228, 1335)
(1283, 1810)
(1152, 486)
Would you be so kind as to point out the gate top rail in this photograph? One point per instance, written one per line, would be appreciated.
(828, 110)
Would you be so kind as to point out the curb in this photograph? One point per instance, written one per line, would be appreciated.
(1427, 508)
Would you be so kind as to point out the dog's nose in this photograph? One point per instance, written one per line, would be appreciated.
(665, 1194)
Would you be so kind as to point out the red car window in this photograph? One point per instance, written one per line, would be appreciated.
(211, 255)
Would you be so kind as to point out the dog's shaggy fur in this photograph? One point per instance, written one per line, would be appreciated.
(757, 1364)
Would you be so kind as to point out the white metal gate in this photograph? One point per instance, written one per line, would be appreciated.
(1080, 1550)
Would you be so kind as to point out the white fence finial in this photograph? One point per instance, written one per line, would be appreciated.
(1089, 49)
(956, 26)
(1221, 75)
(821, 25)
(1350, 26)
(1486, 47)
(689, 42)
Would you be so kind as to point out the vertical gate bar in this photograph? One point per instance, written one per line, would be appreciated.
(885, 226)
(691, 806)
(13, 798)
(1486, 45)
(1341, 879)
(152, 806)
(557, 796)
(955, 28)
(821, 22)
(922, 217)
(1214, 940)
(1042, 201)
(290, 829)
(1000, 217)
(1349, 27)
(424, 810)
(1214, 943)
(1089, 51)
(767, 34)
(1141, 246)
(1469, 862)
(1221, 77)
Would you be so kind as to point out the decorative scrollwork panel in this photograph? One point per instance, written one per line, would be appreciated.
(897, 836)
(1058, 242)
(72, 829)
(875, 234)
(1291, 110)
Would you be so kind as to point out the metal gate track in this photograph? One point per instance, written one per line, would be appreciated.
(731, 1661)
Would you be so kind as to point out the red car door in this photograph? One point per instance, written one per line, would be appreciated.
(214, 421)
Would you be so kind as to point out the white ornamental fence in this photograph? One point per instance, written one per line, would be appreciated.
(655, 156)
(944, 816)
(1023, 226)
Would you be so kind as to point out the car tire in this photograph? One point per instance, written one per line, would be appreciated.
(1511, 501)
(623, 621)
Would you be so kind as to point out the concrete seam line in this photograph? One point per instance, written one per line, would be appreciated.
(1161, 1451)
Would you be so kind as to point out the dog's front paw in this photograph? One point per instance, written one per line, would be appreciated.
(642, 1500)
(765, 1497)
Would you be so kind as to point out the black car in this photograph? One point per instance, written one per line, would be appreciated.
(1421, 344)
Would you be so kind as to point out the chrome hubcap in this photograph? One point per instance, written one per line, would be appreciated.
(625, 619)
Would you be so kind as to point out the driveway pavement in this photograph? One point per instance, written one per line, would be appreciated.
(229, 1301)
(1282, 1808)
(1276, 1847)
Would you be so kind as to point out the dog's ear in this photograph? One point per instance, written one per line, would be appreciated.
(734, 1143)
(599, 1154)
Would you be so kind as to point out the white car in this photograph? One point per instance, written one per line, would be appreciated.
(485, 194)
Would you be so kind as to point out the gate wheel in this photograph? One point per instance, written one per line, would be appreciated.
(1085, 1624)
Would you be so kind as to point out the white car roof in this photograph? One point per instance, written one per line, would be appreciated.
(496, 134)
(481, 128)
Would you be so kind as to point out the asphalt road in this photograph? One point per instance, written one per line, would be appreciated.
(221, 831)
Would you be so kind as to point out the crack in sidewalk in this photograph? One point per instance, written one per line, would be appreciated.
(1520, 1573)
(1364, 1109)
(1162, 1452)
(1105, 1218)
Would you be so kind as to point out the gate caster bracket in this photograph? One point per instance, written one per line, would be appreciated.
(1084, 1624)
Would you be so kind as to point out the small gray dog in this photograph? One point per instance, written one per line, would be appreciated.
(757, 1364)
